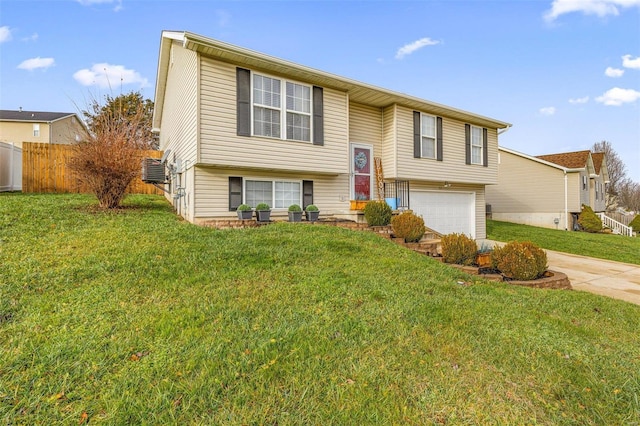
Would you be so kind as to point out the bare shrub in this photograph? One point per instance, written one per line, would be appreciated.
(111, 156)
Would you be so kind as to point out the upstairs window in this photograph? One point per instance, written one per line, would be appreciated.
(428, 136)
(268, 115)
(36, 130)
(476, 145)
(266, 106)
(298, 112)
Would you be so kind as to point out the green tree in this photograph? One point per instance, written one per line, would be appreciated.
(126, 107)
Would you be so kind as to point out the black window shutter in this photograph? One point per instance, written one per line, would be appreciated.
(439, 139)
(318, 116)
(485, 148)
(243, 101)
(307, 193)
(235, 192)
(417, 135)
(467, 143)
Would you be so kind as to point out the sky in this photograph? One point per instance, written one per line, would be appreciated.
(564, 73)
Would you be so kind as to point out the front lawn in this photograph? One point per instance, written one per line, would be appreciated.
(137, 317)
(603, 246)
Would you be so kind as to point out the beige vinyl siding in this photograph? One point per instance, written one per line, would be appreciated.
(365, 126)
(18, 132)
(220, 146)
(526, 186)
(389, 157)
(584, 193)
(66, 131)
(179, 117)
(330, 193)
(599, 204)
(478, 190)
(575, 195)
(453, 167)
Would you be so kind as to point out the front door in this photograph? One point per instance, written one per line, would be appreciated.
(361, 171)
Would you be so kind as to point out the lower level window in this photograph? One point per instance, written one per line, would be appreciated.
(277, 194)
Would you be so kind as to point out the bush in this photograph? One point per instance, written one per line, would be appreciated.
(377, 213)
(263, 207)
(244, 207)
(520, 260)
(312, 208)
(588, 220)
(295, 208)
(635, 223)
(408, 226)
(459, 249)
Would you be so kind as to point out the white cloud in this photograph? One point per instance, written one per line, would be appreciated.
(578, 101)
(629, 62)
(106, 76)
(600, 8)
(32, 37)
(618, 96)
(408, 49)
(613, 72)
(117, 8)
(35, 63)
(547, 110)
(5, 34)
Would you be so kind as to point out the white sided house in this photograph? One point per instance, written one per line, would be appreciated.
(238, 126)
(547, 190)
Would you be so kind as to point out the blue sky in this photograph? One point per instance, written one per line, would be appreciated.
(565, 73)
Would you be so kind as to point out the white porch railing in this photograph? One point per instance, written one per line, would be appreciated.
(615, 226)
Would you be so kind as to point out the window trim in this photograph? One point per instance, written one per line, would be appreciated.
(283, 107)
(472, 145)
(273, 181)
(435, 136)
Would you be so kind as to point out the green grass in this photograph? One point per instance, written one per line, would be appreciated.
(137, 317)
(603, 246)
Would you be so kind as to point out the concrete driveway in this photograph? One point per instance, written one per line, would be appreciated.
(605, 277)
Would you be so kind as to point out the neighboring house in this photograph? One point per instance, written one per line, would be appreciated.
(547, 190)
(238, 126)
(43, 127)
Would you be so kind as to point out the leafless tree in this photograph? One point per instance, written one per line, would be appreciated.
(616, 169)
(111, 156)
(629, 195)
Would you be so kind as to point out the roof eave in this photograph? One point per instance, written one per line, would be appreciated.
(247, 57)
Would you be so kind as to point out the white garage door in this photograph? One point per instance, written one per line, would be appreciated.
(446, 212)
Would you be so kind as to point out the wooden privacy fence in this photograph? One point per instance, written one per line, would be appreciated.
(44, 169)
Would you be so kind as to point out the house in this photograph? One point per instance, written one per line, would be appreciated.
(238, 126)
(547, 190)
(38, 126)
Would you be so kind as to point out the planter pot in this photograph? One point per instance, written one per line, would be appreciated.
(312, 216)
(483, 260)
(263, 215)
(358, 205)
(295, 216)
(245, 214)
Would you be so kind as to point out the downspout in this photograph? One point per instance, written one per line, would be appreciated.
(505, 130)
(566, 202)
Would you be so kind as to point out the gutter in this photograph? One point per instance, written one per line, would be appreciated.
(504, 130)
(566, 202)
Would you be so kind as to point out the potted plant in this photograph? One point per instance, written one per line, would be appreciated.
(244, 212)
(483, 256)
(263, 212)
(312, 212)
(295, 213)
